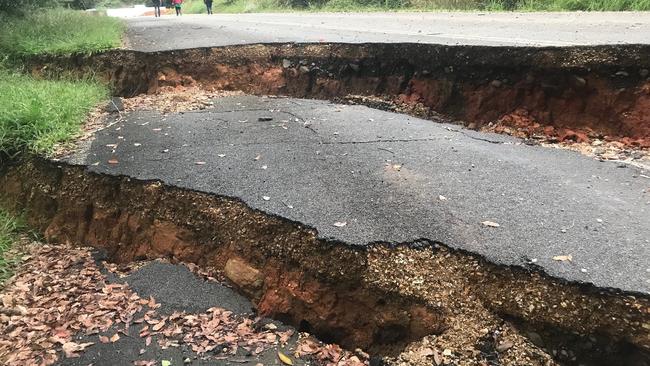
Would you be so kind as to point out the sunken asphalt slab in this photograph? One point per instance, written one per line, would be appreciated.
(176, 289)
(383, 174)
(448, 28)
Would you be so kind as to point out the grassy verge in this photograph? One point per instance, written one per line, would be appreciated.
(255, 6)
(58, 31)
(35, 115)
(10, 227)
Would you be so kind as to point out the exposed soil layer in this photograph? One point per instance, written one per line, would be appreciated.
(379, 298)
(572, 93)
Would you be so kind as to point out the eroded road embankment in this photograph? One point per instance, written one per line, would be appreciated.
(572, 93)
(373, 229)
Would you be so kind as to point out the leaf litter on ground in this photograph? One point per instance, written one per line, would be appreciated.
(59, 292)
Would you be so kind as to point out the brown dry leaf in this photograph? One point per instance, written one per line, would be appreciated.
(144, 363)
(152, 302)
(490, 224)
(158, 326)
(563, 258)
(71, 348)
(103, 339)
(115, 338)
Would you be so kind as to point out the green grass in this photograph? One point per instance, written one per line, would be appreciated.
(236, 6)
(58, 31)
(10, 227)
(256, 6)
(35, 115)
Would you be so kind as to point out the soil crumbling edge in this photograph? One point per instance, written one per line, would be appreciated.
(378, 298)
(575, 93)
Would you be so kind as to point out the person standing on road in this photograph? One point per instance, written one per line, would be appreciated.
(156, 7)
(177, 6)
(208, 4)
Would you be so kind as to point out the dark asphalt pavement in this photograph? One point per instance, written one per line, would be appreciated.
(176, 289)
(448, 28)
(393, 178)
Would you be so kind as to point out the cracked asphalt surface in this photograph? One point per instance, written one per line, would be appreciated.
(449, 28)
(397, 179)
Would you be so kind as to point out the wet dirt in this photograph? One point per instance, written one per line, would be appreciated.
(439, 303)
(575, 93)
(416, 303)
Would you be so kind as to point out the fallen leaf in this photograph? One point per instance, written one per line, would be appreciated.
(563, 258)
(113, 161)
(158, 326)
(258, 157)
(165, 363)
(490, 224)
(71, 348)
(115, 338)
(144, 363)
(340, 223)
(104, 339)
(284, 358)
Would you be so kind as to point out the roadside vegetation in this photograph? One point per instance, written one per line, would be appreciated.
(10, 227)
(254, 6)
(58, 31)
(35, 115)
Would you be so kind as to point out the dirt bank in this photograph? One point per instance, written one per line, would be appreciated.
(378, 298)
(575, 93)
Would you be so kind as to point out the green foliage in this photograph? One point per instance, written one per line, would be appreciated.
(35, 115)
(22, 7)
(234, 6)
(250, 6)
(58, 31)
(10, 226)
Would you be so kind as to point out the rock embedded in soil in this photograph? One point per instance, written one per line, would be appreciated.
(247, 278)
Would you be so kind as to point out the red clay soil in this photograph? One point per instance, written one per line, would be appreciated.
(599, 91)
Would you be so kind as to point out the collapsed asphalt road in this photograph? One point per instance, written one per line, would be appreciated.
(361, 176)
(177, 290)
(449, 28)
